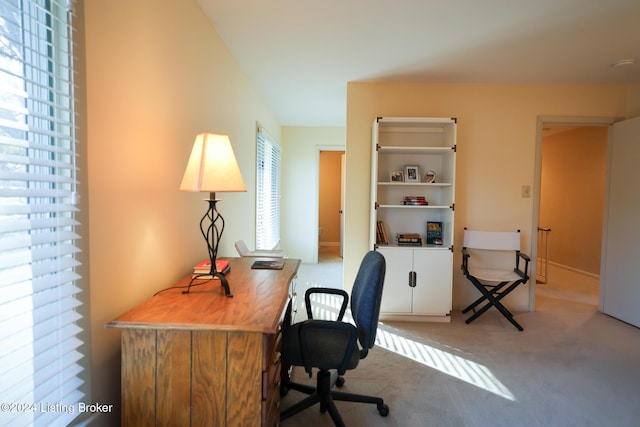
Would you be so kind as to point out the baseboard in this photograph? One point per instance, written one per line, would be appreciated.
(575, 270)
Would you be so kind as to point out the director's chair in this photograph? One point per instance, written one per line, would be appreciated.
(494, 282)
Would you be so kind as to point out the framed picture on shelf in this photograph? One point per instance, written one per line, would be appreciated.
(412, 173)
(396, 176)
(430, 177)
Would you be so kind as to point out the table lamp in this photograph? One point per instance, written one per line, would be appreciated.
(212, 168)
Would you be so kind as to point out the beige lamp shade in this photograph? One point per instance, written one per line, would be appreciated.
(212, 166)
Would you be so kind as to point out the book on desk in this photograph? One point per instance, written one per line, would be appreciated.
(204, 267)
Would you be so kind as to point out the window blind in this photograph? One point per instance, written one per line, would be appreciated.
(39, 333)
(267, 192)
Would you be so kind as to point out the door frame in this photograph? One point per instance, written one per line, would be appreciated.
(320, 148)
(537, 181)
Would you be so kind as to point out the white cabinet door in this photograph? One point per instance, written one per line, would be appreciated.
(434, 276)
(396, 293)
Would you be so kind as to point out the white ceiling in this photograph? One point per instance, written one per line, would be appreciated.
(300, 54)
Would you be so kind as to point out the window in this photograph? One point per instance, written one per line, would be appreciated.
(39, 308)
(267, 192)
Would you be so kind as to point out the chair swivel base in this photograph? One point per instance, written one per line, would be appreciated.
(323, 395)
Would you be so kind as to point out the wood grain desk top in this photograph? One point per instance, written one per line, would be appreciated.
(259, 298)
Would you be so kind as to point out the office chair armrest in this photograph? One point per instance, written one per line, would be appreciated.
(327, 338)
(330, 291)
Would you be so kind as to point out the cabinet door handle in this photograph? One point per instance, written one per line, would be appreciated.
(412, 279)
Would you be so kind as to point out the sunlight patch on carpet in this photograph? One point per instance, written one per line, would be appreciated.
(326, 306)
(443, 361)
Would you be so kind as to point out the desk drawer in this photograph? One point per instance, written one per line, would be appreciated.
(271, 380)
(271, 366)
(271, 350)
(271, 402)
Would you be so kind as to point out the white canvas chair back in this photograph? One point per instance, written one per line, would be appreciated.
(481, 252)
(492, 240)
(493, 254)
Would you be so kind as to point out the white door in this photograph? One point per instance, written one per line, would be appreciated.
(620, 275)
(434, 275)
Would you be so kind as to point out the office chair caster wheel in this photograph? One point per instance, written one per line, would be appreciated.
(383, 409)
(339, 381)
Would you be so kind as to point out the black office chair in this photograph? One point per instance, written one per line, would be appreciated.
(333, 345)
(493, 281)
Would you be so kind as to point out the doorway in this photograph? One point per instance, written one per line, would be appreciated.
(571, 169)
(330, 205)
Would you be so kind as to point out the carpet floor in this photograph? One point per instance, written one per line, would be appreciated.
(571, 366)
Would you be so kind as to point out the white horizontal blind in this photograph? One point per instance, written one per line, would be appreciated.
(39, 344)
(267, 192)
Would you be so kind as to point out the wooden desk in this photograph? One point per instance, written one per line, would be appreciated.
(202, 359)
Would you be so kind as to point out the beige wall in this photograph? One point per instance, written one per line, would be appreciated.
(572, 196)
(633, 106)
(157, 74)
(497, 127)
(329, 209)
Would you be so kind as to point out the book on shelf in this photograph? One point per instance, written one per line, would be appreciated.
(415, 201)
(204, 267)
(381, 234)
(409, 235)
(408, 239)
(268, 265)
(434, 233)
(410, 244)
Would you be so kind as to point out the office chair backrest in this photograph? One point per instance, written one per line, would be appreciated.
(366, 297)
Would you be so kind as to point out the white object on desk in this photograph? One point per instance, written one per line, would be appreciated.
(244, 251)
